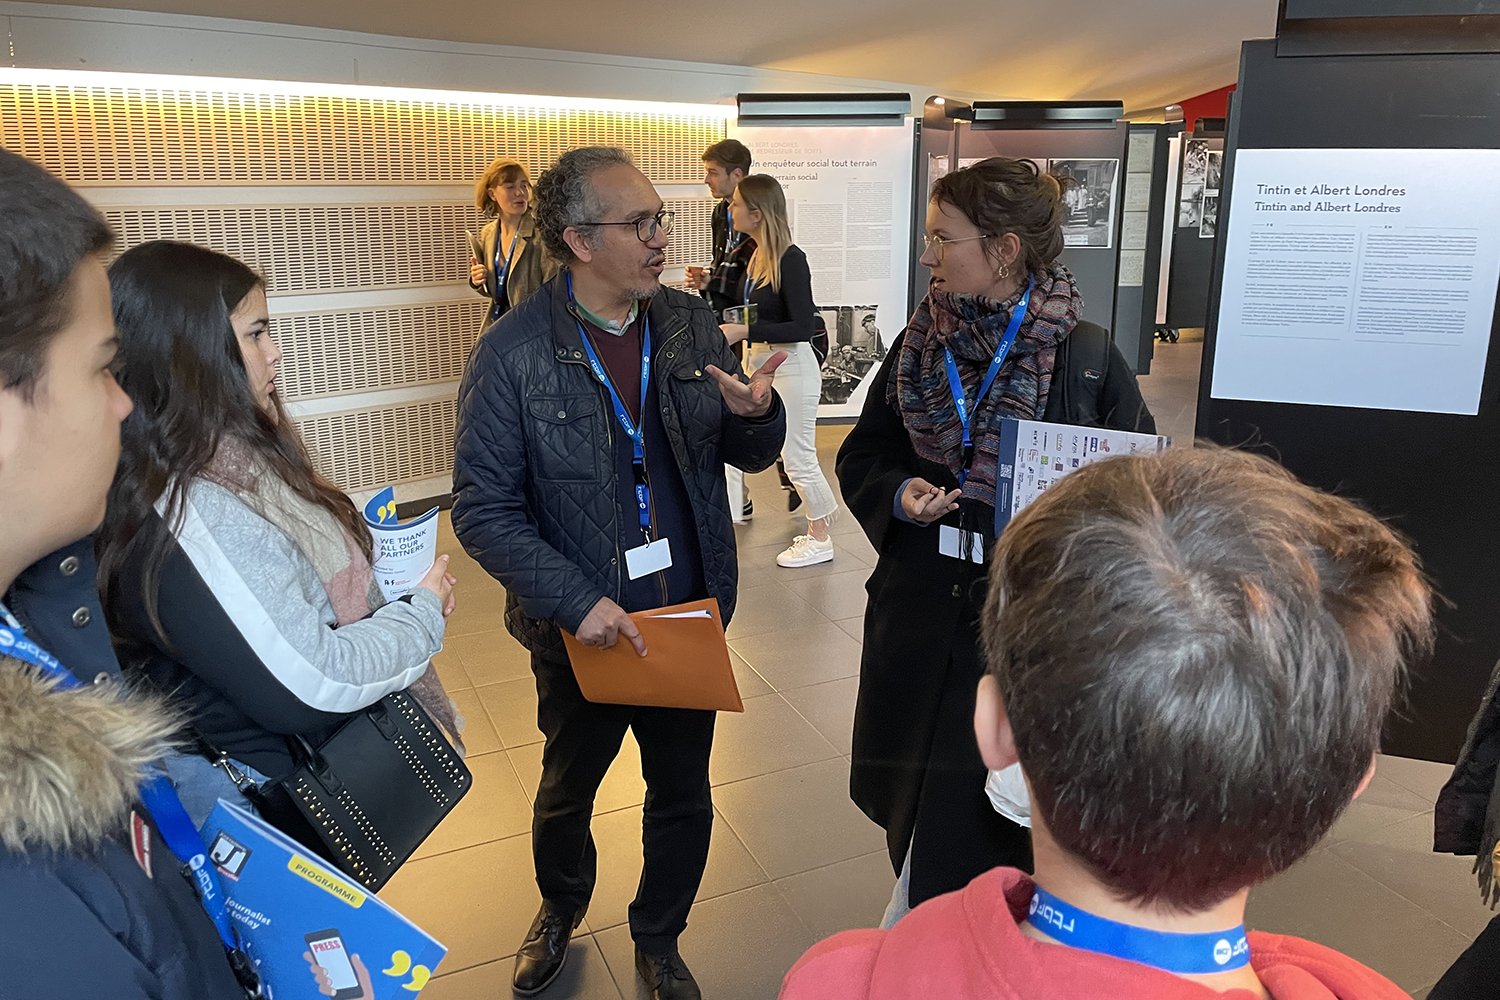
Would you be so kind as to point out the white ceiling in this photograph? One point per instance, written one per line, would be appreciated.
(1144, 52)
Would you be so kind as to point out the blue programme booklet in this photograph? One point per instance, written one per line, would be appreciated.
(311, 931)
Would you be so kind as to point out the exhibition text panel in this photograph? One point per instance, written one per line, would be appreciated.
(848, 192)
(1360, 277)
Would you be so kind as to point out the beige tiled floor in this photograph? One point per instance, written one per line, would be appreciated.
(792, 860)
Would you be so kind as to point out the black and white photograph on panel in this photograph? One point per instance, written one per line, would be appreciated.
(1088, 200)
(1195, 162)
(1208, 226)
(1213, 171)
(855, 347)
(937, 168)
(1190, 207)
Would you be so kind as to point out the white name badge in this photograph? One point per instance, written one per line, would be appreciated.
(951, 543)
(652, 557)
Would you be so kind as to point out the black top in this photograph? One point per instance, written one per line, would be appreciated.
(786, 314)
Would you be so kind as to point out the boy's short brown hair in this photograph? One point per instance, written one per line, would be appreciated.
(1196, 653)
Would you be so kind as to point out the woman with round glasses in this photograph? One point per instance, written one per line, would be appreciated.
(512, 262)
(994, 233)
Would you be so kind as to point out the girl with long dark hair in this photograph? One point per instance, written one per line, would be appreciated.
(235, 578)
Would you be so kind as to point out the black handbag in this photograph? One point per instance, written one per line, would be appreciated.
(376, 788)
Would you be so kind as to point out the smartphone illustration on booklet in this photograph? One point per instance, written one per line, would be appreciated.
(328, 951)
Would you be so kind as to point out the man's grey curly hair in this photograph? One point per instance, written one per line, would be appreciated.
(565, 195)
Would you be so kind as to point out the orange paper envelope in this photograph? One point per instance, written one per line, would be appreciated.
(686, 663)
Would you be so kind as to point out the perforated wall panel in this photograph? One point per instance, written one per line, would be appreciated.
(371, 448)
(148, 135)
(320, 247)
(331, 353)
(193, 139)
(692, 232)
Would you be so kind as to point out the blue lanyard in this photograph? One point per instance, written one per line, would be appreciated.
(160, 800)
(956, 385)
(502, 271)
(1184, 954)
(636, 434)
(731, 238)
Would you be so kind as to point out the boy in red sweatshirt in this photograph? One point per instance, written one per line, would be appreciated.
(1191, 657)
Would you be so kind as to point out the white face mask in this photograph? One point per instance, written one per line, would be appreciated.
(1008, 794)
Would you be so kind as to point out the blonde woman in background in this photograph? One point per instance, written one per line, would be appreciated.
(779, 284)
(513, 263)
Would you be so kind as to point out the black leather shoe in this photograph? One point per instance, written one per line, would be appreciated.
(667, 976)
(545, 951)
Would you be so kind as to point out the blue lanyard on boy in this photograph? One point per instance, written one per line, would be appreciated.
(1184, 954)
(956, 386)
(731, 238)
(160, 800)
(636, 434)
(502, 268)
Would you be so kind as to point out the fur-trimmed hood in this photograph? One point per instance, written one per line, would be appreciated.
(71, 761)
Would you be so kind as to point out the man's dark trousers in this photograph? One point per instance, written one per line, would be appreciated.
(583, 739)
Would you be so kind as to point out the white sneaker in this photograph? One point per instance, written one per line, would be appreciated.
(806, 551)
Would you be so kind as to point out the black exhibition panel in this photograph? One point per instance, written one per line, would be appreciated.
(934, 157)
(1435, 477)
(1192, 253)
(1145, 203)
(1093, 267)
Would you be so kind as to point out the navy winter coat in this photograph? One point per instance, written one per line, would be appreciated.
(535, 471)
(91, 903)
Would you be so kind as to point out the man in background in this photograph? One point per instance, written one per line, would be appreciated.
(725, 164)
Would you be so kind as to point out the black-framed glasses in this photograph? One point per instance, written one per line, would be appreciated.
(645, 229)
(935, 244)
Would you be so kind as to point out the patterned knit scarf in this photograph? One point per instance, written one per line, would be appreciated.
(972, 326)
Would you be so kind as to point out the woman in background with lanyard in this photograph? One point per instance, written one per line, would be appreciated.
(778, 283)
(992, 339)
(511, 263)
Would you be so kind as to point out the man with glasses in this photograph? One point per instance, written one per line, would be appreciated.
(593, 421)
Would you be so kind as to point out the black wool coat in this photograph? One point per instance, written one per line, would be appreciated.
(920, 668)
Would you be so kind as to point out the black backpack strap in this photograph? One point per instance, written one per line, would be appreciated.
(1084, 358)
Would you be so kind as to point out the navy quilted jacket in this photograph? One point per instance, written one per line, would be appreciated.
(534, 470)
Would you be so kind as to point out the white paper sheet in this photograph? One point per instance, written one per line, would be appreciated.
(1360, 277)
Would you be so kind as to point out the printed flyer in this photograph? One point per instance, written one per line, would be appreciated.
(403, 552)
(1034, 455)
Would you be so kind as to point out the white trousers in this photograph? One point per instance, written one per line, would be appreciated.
(799, 380)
